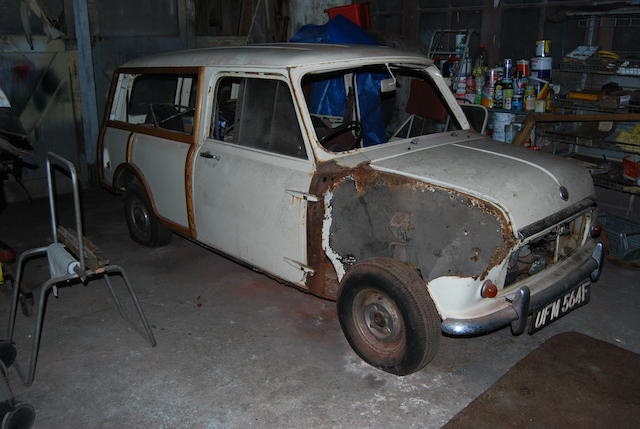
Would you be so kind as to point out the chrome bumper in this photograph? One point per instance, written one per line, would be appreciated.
(586, 263)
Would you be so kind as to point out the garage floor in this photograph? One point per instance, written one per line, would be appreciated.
(238, 349)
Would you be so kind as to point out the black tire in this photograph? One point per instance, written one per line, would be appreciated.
(388, 316)
(143, 225)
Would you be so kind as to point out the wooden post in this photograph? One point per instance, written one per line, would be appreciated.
(491, 31)
(410, 19)
(86, 80)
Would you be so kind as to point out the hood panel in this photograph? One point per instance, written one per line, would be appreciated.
(524, 183)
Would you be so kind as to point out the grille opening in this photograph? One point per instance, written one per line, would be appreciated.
(543, 251)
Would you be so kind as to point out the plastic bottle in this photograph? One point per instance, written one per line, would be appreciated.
(498, 97)
(529, 99)
(481, 59)
(507, 94)
(549, 99)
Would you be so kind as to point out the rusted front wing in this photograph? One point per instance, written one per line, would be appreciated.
(367, 213)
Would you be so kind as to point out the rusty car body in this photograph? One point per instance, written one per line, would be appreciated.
(432, 228)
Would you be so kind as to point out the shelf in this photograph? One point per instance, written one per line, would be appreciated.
(578, 67)
(559, 137)
(591, 106)
(606, 182)
(515, 112)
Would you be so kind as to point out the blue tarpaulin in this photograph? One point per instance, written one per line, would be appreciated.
(328, 97)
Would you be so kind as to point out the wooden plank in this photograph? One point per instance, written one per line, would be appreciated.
(491, 30)
(520, 138)
(93, 257)
(588, 118)
(531, 120)
(246, 13)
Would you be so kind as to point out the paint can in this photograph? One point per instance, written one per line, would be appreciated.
(529, 99)
(487, 96)
(510, 131)
(522, 68)
(499, 122)
(461, 87)
(541, 67)
(543, 48)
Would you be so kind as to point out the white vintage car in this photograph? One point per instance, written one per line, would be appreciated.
(350, 172)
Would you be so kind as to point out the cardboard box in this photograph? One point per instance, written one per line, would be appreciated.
(615, 99)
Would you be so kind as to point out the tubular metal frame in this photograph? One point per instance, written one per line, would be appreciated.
(81, 273)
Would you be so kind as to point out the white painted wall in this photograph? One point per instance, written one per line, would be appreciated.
(310, 12)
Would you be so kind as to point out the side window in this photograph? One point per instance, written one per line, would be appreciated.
(164, 101)
(257, 113)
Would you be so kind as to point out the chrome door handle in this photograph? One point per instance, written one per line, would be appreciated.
(210, 155)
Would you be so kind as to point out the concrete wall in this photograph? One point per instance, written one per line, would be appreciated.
(47, 110)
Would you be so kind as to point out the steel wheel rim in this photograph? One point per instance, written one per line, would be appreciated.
(140, 219)
(378, 320)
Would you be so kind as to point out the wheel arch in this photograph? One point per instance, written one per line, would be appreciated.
(401, 284)
(126, 174)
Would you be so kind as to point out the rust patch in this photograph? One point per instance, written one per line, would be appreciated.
(324, 282)
(330, 175)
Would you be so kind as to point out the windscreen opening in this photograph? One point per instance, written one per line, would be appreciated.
(349, 110)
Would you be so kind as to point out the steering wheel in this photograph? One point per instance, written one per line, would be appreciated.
(339, 130)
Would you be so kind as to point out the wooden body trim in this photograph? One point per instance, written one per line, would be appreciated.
(191, 139)
(184, 230)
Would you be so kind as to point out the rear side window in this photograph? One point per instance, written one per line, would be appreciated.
(163, 101)
(257, 113)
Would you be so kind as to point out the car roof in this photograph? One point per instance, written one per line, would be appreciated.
(278, 55)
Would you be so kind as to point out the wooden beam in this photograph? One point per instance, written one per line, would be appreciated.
(69, 24)
(491, 30)
(631, 117)
(410, 19)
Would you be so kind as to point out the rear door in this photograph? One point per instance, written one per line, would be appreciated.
(151, 128)
(252, 175)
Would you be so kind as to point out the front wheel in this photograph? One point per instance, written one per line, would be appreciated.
(144, 227)
(388, 317)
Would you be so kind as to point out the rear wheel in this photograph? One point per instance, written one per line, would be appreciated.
(388, 317)
(144, 227)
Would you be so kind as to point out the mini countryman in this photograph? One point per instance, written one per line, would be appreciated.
(350, 172)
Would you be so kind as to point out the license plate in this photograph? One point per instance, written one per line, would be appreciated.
(564, 304)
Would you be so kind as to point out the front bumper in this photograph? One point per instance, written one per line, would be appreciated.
(534, 293)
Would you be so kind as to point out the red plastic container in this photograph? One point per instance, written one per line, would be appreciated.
(357, 13)
(631, 167)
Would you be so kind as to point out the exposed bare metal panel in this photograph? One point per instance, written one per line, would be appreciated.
(439, 231)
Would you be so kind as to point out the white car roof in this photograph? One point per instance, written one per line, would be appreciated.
(278, 55)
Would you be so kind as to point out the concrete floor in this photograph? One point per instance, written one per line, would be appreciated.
(237, 349)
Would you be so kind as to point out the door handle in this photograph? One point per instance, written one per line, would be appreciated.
(210, 155)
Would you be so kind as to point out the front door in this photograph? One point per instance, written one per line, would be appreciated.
(252, 175)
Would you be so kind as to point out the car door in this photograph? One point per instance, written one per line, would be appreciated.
(151, 128)
(252, 175)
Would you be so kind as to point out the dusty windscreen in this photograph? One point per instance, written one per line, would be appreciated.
(349, 110)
